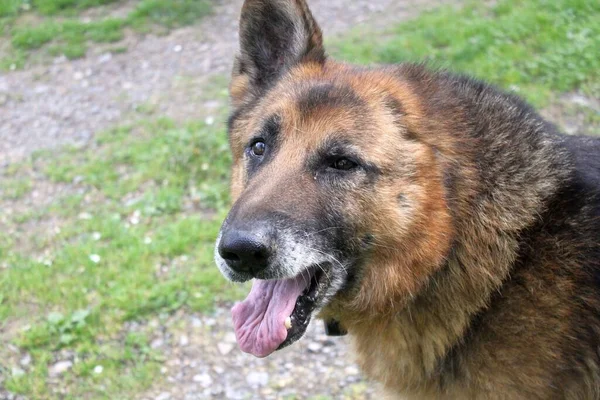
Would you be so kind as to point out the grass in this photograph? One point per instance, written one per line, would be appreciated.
(52, 7)
(138, 243)
(131, 236)
(534, 47)
(56, 25)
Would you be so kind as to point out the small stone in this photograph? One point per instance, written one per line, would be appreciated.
(40, 89)
(217, 390)
(212, 104)
(85, 216)
(351, 370)
(203, 379)
(256, 379)
(178, 48)
(219, 370)
(570, 127)
(60, 368)
(163, 396)
(582, 101)
(314, 347)
(98, 369)
(230, 338)
(135, 218)
(17, 372)
(225, 348)
(234, 394)
(156, 343)
(95, 258)
(26, 360)
(78, 75)
(104, 58)
(283, 382)
(184, 341)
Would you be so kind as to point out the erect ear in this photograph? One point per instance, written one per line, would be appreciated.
(274, 36)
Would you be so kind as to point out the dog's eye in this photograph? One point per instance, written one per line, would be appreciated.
(258, 148)
(343, 164)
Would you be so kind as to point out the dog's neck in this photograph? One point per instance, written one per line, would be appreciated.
(416, 337)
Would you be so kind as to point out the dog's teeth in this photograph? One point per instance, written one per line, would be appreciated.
(288, 323)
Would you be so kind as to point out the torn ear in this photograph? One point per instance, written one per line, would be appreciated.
(275, 35)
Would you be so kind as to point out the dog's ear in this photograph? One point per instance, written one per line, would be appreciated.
(275, 35)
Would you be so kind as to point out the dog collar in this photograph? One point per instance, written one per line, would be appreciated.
(334, 328)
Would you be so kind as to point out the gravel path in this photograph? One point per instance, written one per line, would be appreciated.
(68, 101)
(204, 362)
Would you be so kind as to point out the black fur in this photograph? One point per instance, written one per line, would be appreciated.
(272, 41)
(330, 96)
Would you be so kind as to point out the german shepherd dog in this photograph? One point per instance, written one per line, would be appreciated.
(449, 229)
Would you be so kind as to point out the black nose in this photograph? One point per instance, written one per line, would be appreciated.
(245, 252)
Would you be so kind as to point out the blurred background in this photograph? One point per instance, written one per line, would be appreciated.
(114, 177)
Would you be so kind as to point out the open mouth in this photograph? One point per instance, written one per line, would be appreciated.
(276, 313)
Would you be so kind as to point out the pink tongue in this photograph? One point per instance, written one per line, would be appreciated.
(259, 320)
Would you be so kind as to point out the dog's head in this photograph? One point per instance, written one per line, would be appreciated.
(338, 204)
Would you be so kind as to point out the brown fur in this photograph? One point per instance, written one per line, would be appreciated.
(466, 291)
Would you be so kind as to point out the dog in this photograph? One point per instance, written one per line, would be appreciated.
(452, 232)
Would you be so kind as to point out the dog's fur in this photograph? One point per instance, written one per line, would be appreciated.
(468, 235)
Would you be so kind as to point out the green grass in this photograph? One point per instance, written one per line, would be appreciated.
(52, 7)
(14, 189)
(58, 27)
(141, 245)
(137, 226)
(534, 47)
(10, 8)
